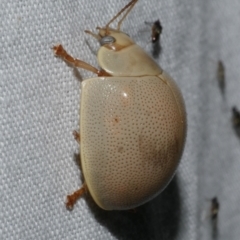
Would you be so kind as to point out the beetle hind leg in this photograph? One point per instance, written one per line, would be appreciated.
(72, 199)
(76, 136)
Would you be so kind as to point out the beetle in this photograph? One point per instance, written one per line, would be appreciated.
(235, 117)
(214, 208)
(156, 30)
(132, 122)
(221, 76)
(214, 211)
(236, 120)
(155, 37)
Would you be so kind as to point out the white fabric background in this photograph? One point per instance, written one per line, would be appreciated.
(39, 110)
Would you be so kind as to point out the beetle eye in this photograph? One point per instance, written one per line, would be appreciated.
(107, 40)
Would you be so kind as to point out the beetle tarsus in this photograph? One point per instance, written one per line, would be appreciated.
(72, 199)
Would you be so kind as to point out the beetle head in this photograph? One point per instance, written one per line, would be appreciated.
(118, 54)
(111, 38)
(114, 39)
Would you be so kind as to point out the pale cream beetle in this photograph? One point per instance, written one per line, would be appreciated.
(132, 123)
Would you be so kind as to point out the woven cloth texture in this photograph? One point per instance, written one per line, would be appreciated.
(40, 108)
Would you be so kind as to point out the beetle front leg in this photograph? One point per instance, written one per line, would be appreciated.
(72, 199)
(62, 53)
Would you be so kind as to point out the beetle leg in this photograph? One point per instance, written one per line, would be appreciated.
(72, 199)
(76, 136)
(62, 53)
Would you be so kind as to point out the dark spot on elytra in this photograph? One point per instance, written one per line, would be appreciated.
(116, 119)
(120, 149)
(149, 152)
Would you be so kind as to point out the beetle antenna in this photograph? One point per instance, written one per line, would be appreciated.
(129, 6)
(93, 34)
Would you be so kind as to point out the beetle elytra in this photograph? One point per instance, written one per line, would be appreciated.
(132, 122)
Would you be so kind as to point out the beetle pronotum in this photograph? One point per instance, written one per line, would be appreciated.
(132, 122)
